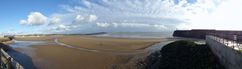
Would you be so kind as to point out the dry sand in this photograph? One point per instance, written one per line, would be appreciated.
(60, 57)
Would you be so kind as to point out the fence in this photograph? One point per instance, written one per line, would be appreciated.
(7, 62)
(231, 41)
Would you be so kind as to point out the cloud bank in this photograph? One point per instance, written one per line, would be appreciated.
(133, 15)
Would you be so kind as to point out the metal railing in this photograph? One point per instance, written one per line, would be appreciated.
(7, 62)
(232, 37)
(232, 43)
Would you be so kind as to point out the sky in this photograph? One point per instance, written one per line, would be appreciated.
(90, 16)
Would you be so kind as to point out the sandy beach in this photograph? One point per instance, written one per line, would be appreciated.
(109, 52)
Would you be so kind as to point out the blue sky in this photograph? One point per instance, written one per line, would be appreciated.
(87, 16)
(14, 10)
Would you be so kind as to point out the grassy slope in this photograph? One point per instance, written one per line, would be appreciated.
(183, 55)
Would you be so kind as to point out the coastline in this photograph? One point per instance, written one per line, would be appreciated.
(60, 57)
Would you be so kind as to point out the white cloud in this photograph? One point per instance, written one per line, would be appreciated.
(149, 15)
(131, 25)
(35, 18)
(55, 20)
(92, 18)
(226, 16)
(79, 18)
(139, 12)
(60, 27)
(160, 26)
(104, 25)
(146, 15)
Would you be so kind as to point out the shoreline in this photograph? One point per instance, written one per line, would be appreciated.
(92, 36)
(56, 54)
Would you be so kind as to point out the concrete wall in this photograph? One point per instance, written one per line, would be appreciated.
(230, 58)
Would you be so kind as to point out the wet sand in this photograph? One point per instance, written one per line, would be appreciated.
(57, 57)
(111, 52)
(35, 38)
(113, 44)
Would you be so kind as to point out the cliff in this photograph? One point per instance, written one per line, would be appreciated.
(200, 34)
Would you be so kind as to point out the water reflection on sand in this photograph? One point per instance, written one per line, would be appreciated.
(27, 48)
(24, 57)
(23, 44)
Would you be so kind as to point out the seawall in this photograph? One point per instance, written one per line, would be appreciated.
(229, 57)
(201, 33)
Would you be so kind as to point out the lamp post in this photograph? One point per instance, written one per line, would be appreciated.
(235, 39)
